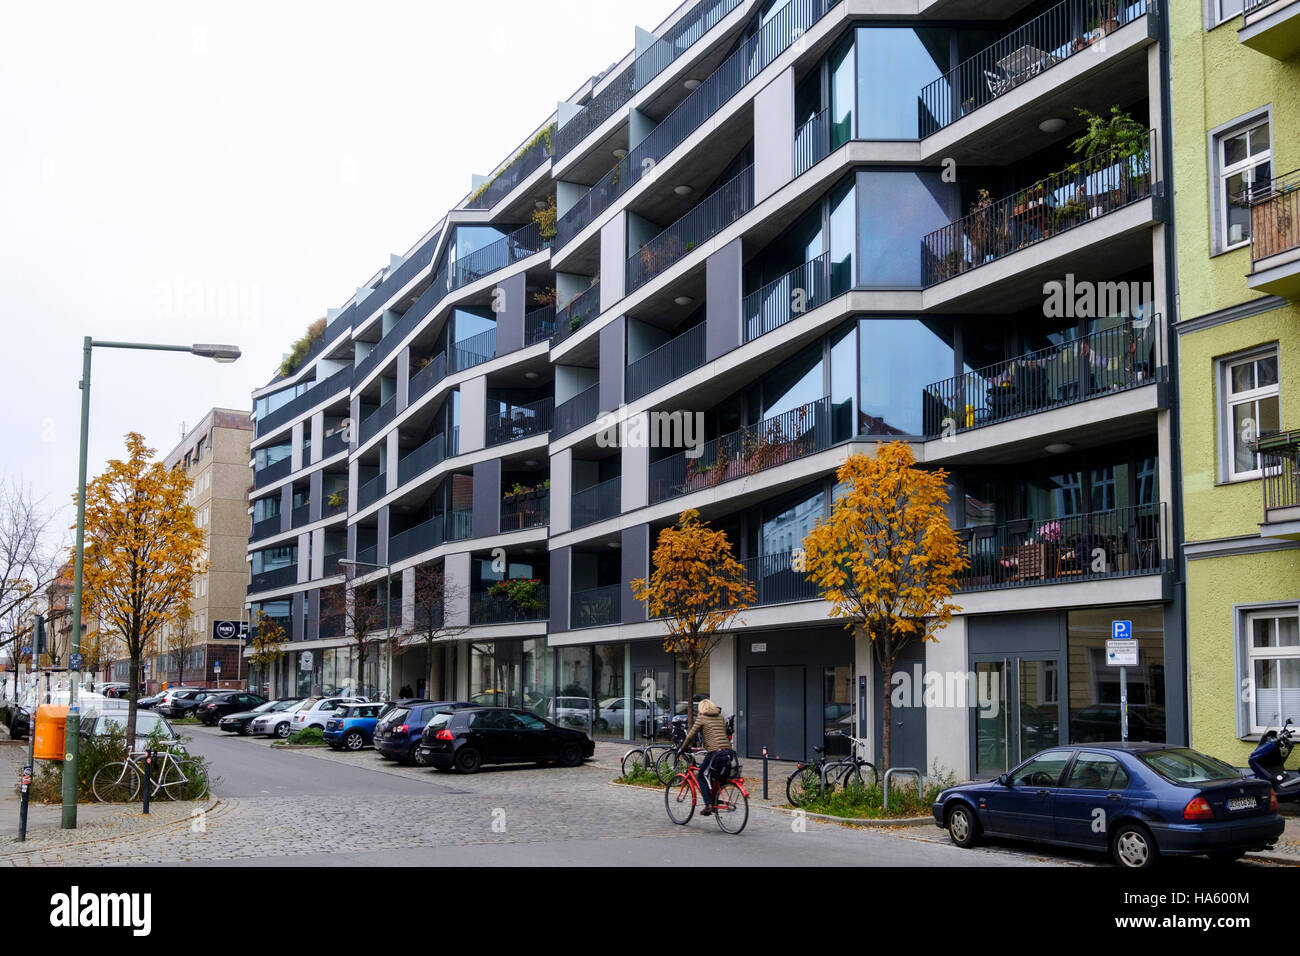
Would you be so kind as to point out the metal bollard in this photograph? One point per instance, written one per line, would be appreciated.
(148, 777)
(765, 773)
(22, 811)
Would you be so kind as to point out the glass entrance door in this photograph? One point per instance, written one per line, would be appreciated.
(653, 703)
(1017, 712)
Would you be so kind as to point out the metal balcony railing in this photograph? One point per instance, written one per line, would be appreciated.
(422, 537)
(367, 555)
(798, 291)
(372, 491)
(1130, 355)
(527, 510)
(1275, 217)
(1076, 195)
(487, 608)
(340, 381)
(667, 363)
(576, 313)
(1051, 38)
(1281, 480)
(519, 421)
(523, 242)
(472, 351)
(812, 142)
(300, 516)
(273, 472)
(581, 409)
(710, 216)
(265, 528)
(333, 444)
(524, 164)
(274, 578)
(539, 325)
(753, 55)
(648, 64)
(373, 423)
(775, 441)
(429, 455)
(1122, 542)
(597, 503)
(330, 565)
(596, 607)
(426, 378)
(776, 581)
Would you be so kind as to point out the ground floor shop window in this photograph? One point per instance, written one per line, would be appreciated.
(1094, 686)
(1272, 668)
(837, 700)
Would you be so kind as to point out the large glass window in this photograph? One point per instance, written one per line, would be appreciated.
(538, 674)
(1250, 409)
(795, 383)
(844, 361)
(1273, 652)
(1094, 685)
(1245, 164)
(895, 208)
(573, 704)
(894, 65)
(842, 93)
(899, 358)
(786, 525)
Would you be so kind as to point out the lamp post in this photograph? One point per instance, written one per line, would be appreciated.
(72, 731)
(388, 604)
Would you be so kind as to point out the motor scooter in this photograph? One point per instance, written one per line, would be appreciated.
(1269, 758)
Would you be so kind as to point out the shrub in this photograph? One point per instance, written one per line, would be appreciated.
(641, 777)
(311, 735)
(301, 347)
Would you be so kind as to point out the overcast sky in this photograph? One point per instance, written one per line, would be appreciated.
(178, 172)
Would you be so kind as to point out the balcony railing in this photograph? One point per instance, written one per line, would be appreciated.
(596, 607)
(812, 142)
(373, 423)
(274, 578)
(801, 289)
(576, 313)
(423, 537)
(580, 410)
(523, 242)
(409, 321)
(1082, 192)
(426, 378)
(486, 608)
(429, 455)
(776, 581)
(648, 64)
(524, 164)
(1281, 478)
(775, 441)
(520, 421)
(372, 491)
(340, 381)
(598, 503)
(710, 216)
(333, 444)
(474, 350)
(300, 516)
(667, 363)
(528, 510)
(265, 528)
(1128, 356)
(539, 325)
(1052, 37)
(750, 59)
(1102, 544)
(367, 555)
(274, 472)
(1275, 217)
(330, 566)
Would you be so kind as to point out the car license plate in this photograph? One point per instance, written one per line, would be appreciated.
(1241, 803)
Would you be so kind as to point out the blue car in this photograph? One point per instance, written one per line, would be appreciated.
(398, 733)
(1137, 801)
(352, 726)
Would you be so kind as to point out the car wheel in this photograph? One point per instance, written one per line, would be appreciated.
(354, 740)
(282, 731)
(963, 826)
(468, 760)
(440, 768)
(243, 729)
(1133, 847)
(417, 758)
(571, 755)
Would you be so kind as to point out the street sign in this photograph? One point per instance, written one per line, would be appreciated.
(216, 667)
(304, 661)
(74, 662)
(229, 630)
(1121, 630)
(1121, 653)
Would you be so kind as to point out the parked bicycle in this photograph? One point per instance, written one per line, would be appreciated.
(805, 782)
(675, 759)
(169, 778)
(646, 756)
(730, 807)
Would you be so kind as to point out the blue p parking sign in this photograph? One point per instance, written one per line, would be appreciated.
(1121, 630)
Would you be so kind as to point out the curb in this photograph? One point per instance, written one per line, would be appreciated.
(15, 849)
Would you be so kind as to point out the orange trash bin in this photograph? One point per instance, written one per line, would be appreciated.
(51, 722)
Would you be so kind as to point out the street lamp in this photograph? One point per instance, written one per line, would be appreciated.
(388, 603)
(72, 731)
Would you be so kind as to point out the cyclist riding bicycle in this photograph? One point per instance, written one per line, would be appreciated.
(712, 731)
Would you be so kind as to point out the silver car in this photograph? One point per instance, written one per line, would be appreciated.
(274, 723)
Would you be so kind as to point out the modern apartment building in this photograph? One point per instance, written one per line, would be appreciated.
(1237, 133)
(215, 455)
(807, 227)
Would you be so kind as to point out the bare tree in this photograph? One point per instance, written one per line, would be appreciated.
(434, 597)
(180, 639)
(362, 611)
(31, 551)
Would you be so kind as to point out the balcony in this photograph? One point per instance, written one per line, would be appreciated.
(1275, 237)
(710, 216)
(1102, 544)
(1131, 355)
(426, 378)
(334, 444)
(374, 423)
(1280, 460)
(595, 607)
(539, 325)
(429, 455)
(428, 535)
(273, 472)
(265, 528)
(812, 142)
(581, 409)
(371, 491)
(806, 287)
(784, 438)
(776, 582)
(1271, 27)
(600, 502)
(300, 516)
(485, 608)
(667, 363)
(520, 421)
(1049, 39)
(648, 64)
(472, 351)
(576, 313)
(751, 58)
(527, 161)
(330, 566)
(523, 242)
(1080, 193)
(274, 578)
(530, 509)
(340, 381)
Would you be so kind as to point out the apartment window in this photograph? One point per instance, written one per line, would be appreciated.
(1272, 662)
(1249, 386)
(1242, 162)
(1217, 11)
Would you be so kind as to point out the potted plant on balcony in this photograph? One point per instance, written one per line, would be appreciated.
(523, 595)
(545, 218)
(338, 497)
(544, 297)
(985, 232)
(1109, 19)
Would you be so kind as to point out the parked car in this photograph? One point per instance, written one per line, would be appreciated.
(183, 703)
(155, 699)
(399, 732)
(352, 726)
(569, 711)
(393, 705)
(1137, 801)
(147, 724)
(238, 723)
(1101, 722)
(612, 716)
(315, 711)
(467, 739)
(217, 706)
(115, 689)
(276, 723)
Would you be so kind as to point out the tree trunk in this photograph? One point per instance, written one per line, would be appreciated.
(428, 687)
(134, 692)
(886, 719)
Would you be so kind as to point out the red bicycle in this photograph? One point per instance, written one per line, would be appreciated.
(684, 791)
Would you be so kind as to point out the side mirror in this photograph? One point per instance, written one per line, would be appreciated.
(1005, 779)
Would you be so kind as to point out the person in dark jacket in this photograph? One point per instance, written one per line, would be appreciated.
(711, 728)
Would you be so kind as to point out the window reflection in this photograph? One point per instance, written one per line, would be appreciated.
(894, 64)
(899, 358)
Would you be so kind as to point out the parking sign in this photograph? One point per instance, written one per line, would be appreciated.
(1121, 630)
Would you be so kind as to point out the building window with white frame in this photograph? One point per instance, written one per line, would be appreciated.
(1244, 161)
(1221, 10)
(1273, 663)
(1250, 408)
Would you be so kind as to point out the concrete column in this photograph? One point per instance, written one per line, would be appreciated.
(487, 498)
(723, 283)
(381, 539)
(473, 414)
(722, 674)
(408, 599)
(634, 486)
(613, 260)
(639, 126)
(304, 566)
(392, 451)
(353, 471)
(286, 507)
(613, 363)
(317, 554)
(510, 320)
(403, 379)
(947, 728)
(560, 586)
(315, 491)
(354, 415)
(634, 553)
(456, 570)
(299, 434)
(561, 490)
(317, 437)
(297, 612)
(774, 136)
(313, 614)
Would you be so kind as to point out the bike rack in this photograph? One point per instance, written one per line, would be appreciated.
(911, 771)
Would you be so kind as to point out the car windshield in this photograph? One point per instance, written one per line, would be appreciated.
(277, 705)
(263, 708)
(145, 723)
(1187, 767)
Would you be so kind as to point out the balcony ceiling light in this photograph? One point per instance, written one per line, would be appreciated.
(620, 153)
(683, 190)
(691, 84)
(530, 463)
(530, 375)
(683, 300)
(1058, 448)
(1053, 124)
(614, 544)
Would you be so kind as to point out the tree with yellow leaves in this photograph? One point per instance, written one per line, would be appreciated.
(268, 642)
(887, 559)
(143, 551)
(697, 587)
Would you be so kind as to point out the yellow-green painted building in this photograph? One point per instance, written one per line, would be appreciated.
(1235, 77)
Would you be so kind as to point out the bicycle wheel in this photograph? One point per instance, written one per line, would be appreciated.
(803, 785)
(168, 781)
(636, 757)
(669, 764)
(870, 778)
(732, 809)
(198, 787)
(117, 782)
(679, 799)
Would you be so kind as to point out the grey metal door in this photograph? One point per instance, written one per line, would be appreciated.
(775, 711)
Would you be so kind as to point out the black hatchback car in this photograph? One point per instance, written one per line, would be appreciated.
(219, 705)
(465, 740)
(399, 732)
